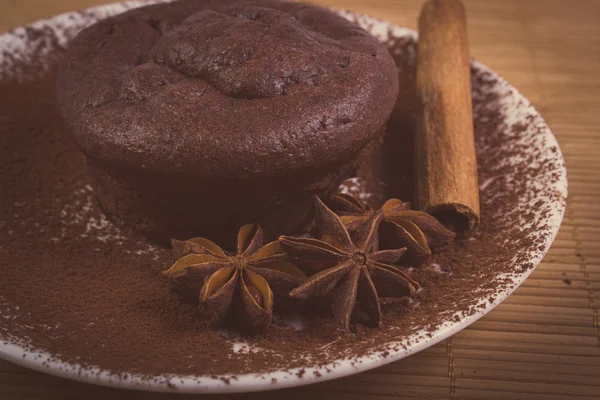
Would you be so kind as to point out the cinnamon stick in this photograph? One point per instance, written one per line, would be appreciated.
(446, 163)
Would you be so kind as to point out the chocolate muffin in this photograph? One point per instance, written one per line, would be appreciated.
(200, 115)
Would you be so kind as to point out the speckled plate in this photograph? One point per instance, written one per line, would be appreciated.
(536, 142)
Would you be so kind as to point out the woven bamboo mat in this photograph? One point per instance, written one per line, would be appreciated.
(543, 342)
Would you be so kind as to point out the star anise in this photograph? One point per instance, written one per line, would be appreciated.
(236, 288)
(418, 231)
(348, 270)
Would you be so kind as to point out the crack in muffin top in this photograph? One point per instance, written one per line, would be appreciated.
(234, 89)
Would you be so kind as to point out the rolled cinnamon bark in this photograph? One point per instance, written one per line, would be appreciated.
(446, 164)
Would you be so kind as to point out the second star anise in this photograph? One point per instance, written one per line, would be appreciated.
(418, 231)
(348, 270)
(236, 288)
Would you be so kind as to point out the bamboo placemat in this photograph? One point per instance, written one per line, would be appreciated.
(543, 342)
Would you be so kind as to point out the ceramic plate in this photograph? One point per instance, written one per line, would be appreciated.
(537, 139)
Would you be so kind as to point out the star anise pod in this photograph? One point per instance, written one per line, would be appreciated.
(236, 288)
(348, 270)
(418, 231)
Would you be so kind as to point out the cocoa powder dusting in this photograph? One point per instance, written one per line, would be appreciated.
(73, 284)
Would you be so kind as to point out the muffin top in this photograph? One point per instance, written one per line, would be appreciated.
(225, 88)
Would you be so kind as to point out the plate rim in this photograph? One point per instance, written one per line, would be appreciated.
(42, 361)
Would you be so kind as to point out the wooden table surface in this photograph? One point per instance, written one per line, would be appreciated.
(544, 341)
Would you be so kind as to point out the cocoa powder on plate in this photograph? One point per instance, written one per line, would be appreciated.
(88, 292)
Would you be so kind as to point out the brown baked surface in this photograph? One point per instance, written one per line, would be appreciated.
(225, 89)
